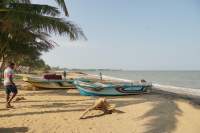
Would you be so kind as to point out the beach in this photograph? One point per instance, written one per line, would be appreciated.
(99, 66)
(58, 111)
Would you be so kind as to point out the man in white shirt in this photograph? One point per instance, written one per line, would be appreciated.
(9, 85)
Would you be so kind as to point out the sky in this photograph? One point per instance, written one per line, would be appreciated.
(131, 35)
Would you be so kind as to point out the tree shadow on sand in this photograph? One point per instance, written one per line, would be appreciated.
(50, 101)
(40, 112)
(162, 117)
(14, 130)
(163, 114)
(53, 107)
(59, 105)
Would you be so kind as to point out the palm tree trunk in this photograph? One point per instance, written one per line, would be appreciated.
(2, 62)
(2, 56)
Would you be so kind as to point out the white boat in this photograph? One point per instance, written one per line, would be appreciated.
(50, 84)
(99, 88)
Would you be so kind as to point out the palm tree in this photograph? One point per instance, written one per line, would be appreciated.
(24, 23)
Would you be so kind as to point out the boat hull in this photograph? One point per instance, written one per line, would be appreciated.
(51, 84)
(111, 90)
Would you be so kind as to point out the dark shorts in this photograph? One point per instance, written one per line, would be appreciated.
(10, 89)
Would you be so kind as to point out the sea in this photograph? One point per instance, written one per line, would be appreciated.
(186, 79)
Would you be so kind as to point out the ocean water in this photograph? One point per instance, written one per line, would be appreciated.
(188, 79)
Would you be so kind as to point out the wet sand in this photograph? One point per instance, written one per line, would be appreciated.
(58, 111)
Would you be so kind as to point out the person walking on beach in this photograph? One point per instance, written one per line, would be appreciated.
(64, 74)
(9, 85)
(100, 74)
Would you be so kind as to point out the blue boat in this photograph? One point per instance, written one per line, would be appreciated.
(98, 88)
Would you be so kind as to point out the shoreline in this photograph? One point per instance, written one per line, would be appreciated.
(182, 91)
(59, 110)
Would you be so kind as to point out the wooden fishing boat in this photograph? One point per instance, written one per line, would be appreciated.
(50, 83)
(108, 88)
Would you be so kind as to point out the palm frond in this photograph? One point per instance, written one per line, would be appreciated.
(62, 4)
(47, 24)
(36, 8)
(21, 1)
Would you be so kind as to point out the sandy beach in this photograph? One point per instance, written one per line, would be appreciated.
(60, 55)
(58, 111)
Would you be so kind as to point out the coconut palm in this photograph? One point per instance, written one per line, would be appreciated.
(24, 23)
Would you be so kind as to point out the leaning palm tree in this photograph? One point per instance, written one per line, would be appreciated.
(23, 22)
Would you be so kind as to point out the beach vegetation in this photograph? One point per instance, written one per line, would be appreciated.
(26, 29)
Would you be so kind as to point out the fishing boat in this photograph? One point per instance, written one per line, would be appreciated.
(108, 88)
(50, 83)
